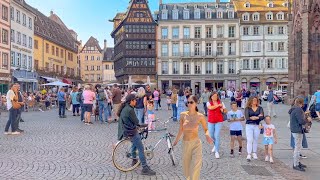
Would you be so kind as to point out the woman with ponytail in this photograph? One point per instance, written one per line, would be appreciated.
(192, 147)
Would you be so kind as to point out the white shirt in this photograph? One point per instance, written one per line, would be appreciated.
(268, 130)
(10, 96)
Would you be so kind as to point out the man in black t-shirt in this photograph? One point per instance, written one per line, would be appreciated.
(149, 93)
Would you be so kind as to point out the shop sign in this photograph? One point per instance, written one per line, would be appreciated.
(22, 49)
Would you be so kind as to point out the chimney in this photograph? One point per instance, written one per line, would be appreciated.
(51, 13)
(218, 1)
(105, 44)
(160, 2)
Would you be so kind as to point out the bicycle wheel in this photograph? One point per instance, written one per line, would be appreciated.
(122, 157)
(171, 152)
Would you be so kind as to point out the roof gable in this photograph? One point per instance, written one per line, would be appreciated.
(92, 42)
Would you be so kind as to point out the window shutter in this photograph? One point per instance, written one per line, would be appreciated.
(241, 64)
(241, 31)
(278, 63)
(262, 63)
(269, 46)
(233, 47)
(275, 46)
(250, 30)
(249, 46)
(286, 63)
(275, 30)
(244, 46)
(284, 29)
(251, 64)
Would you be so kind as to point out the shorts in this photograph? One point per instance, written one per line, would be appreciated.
(317, 106)
(267, 141)
(87, 107)
(235, 133)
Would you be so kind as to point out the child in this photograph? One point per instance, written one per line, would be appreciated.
(169, 102)
(150, 115)
(235, 117)
(269, 138)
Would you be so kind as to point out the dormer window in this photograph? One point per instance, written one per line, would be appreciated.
(206, 6)
(164, 14)
(197, 14)
(227, 5)
(256, 17)
(175, 14)
(280, 16)
(285, 4)
(219, 14)
(245, 17)
(247, 4)
(164, 6)
(208, 13)
(270, 5)
(269, 16)
(230, 14)
(186, 14)
(217, 5)
(196, 6)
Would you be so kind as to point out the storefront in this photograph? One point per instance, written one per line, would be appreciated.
(28, 80)
(255, 84)
(244, 83)
(231, 85)
(181, 84)
(272, 83)
(283, 85)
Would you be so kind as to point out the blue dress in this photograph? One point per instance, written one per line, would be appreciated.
(181, 106)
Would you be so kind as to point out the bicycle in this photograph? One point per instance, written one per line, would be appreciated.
(122, 157)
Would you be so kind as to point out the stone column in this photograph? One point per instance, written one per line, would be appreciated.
(193, 86)
(225, 85)
(170, 83)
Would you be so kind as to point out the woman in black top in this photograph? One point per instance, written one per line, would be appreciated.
(253, 114)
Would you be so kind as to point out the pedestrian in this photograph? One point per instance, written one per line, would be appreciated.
(181, 105)
(156, 98)
(102, 99)
(192, 146)
(174, 99)
(13, 106)
(235, 117)
(116, 99)
(270, 103)
(109, 107)
(80, 100)
(317, 101)
(254, 114)
(216, 108)
(150, 115)
(205, 99)
(269, 138)
(88, 99)
(159, 101)
(297, 120)
(238, 98)
(21, 100)
(149, 94)
(75, 102)
(140, 107)
(62, 98)
(169, 103)
(127, 127)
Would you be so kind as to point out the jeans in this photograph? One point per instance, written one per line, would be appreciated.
(205, 108)
(214, 131)
(62, 108)
(137, 144)
(304, 141)
(75, 108)
(140, 113)
(156, 104)
(103, 108)
(270, 108)
(82, 112)
(174, 112)
(13, 120)
(298, 146)
(252, 133)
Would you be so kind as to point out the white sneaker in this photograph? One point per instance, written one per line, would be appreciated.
(16, 133)
(266, 159)
(213, 149)
(7, 133)
(271, 160)
(249, 157)
(217, 155)
(254, 155)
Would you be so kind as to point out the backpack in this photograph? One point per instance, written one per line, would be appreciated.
(79, 97)
(101, 96)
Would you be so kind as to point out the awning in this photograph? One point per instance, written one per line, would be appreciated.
(284, 80)
(254, 80)
(67, 81)
(49, 79)
(26, 80)
(271, 80)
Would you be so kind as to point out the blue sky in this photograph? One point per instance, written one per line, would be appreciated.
(91, 19)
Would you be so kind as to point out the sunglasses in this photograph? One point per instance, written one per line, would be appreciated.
(190, 102)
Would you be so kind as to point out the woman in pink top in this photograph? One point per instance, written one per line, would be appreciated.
(156, 95)
(88, 98)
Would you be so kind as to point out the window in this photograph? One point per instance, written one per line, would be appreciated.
(86, 77)
(186, 49)
(256, 64)
(175, 49)
(220, 49)
(220, 31)
(270, 30)
(256, 17)
(52, 50)
(29, 62)
(24, 61)
(208, 32)
(256, 30)
(62, 70)
(5, 36)
(164, 14)
(24, 19)
(186, 32)
(269, 63)
(92, 58)
(87, 68)
(30, 42)
(18, 37)
(197, 49)
(280, 16)
(270, 5)
(269, 16)
(271, 46)
(5, 12)
(197, 32)
(232, 67)
(247, 5)
(107, 67)
(219, 14)
(12, 35)
(13, 59)
(61, 53)
(230, 14)
(245, 17)
(24, 40)
(164, 68)
(208, 49)
(5, 59)
(18, 59)
(282, 63)
(98, 58)
(36, 44)
(98, 77)
(92, 68)
(231, 31)
(220, 67)
(246, 31)
(256, 46)
(30, 23)
(98, 68)
(92, 77)
(232, 48)
(57, 51)
(281, 30)
(175, 67)
(164, 33)
(246, 64)
(47, 48)
(246, 46)
(197, 14)
(186, 67)
(209, 67)
(18, 16)
(164, 50)
(280, 46)
(186, 14)
(197, 68)
(12, 13)
(175, 33)
(86, 58)
(208, 14)
(175, 14)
